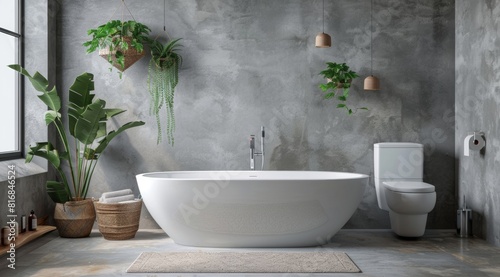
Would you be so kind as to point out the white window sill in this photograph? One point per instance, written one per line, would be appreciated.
(22, 169)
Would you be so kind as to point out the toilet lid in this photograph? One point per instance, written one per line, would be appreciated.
(409, 186)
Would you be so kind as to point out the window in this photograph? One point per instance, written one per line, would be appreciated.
(11, 90)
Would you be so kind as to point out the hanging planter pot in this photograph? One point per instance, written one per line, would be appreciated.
(120, 43)
(125, 57)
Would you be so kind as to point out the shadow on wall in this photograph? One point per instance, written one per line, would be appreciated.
(291, 152)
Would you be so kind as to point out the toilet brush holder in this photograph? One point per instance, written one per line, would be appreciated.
(464, 223)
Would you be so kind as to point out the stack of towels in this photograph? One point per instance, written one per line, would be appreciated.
(118, 196)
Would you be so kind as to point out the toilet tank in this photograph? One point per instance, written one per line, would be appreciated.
(398, 160)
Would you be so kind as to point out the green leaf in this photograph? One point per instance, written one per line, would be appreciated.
(113, 112)
(341, 105)
(364, 108)
(104, 142)
(45, 150)
(87, 125)
(79, 98)
(51, 116)
(51, 99)
(19, 69)
(101, 132)
(342, 98)
(329, 95)
(40, 83)
(79, 92)
(58, 192)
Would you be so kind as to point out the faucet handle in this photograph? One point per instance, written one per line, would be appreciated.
(263, 132)
(252, 141)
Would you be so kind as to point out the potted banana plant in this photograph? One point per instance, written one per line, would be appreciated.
(338, 82)
(88, 135)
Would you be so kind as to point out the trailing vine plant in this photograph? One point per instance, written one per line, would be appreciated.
(163, 77)
(339, 78)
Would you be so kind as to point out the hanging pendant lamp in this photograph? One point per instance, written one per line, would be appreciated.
(323, 40)
(371, 82)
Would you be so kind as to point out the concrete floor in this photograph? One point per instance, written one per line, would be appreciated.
(376, 252)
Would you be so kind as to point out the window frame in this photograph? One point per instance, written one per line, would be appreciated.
(20, 84)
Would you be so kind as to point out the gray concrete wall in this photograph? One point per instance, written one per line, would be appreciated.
(477, 106)
(253, 63)
(35, 59)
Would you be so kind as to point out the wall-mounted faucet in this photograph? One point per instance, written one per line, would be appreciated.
(252, 150)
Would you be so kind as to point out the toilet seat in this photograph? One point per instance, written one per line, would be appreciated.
(409, 187)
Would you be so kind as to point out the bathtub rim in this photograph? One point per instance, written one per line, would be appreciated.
(349, 175)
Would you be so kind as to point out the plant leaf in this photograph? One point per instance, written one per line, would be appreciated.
(50, 98)
(57, 191)
(51, 116)
(87, 125)
(45, 150)
(113, 112)
(329, 95)
(104, 142)
(341, 106)
(79, 98)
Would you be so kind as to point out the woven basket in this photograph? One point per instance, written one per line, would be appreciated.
(131, 55)
(74, 219)
(118, 221)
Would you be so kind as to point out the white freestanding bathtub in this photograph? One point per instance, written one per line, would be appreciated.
(251, 208)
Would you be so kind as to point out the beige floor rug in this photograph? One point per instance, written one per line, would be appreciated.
(243, 262)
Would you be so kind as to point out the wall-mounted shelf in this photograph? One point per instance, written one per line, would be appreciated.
(28, 236)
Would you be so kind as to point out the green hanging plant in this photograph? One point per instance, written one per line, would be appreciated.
(120, 43)
(163, 76)
(339, 78)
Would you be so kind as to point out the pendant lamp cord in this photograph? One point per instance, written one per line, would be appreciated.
(371, 38)
(323, 16)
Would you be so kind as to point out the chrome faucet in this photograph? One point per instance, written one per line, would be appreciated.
(252, 150)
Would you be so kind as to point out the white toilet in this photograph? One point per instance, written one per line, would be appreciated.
(399, 170)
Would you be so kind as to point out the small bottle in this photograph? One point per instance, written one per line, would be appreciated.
(32, 221)
(23, 223)
(5, 235)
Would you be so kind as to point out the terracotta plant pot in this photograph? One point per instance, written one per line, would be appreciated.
(74, 219)
(131, 55)
(118, 221)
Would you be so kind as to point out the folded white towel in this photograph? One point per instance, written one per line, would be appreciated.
(118, 199)
(116, 193)
(130, 201)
